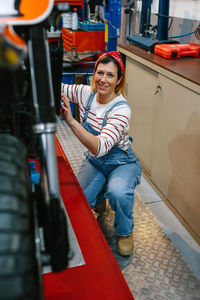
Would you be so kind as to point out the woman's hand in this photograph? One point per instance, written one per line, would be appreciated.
(65, 110)
(86, 138)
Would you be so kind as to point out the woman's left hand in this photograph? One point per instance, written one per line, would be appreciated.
(65, 110)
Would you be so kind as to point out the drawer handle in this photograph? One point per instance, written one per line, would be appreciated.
(158, 89)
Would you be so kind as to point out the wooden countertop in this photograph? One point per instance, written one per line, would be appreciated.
(186, 67)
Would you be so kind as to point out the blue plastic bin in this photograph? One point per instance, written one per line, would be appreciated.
(91, 27)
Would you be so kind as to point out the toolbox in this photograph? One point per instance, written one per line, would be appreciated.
(71, 2)
(174, 51)
(83, 40)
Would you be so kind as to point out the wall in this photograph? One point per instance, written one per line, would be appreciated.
(185, 18)
(186, 9)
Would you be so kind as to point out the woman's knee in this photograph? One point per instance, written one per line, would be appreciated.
(117, 187)
(116, 193)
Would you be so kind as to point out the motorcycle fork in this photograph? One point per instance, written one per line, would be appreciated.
(45, 127)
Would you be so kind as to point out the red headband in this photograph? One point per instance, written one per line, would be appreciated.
(115, 55)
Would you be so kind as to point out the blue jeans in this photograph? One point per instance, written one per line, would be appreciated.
(120, 185)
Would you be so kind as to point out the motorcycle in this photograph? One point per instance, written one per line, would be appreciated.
(30, 201)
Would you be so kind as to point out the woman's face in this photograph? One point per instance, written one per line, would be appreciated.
(105, 80)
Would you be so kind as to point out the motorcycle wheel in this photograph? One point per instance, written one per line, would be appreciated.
(18, 265)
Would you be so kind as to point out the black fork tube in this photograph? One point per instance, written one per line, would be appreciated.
(44, 110)
(42, 88)
(55, 230)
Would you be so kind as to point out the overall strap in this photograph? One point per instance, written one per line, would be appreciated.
(110, 109)
(88, 106)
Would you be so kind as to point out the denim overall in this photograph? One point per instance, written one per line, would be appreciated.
(115, 156)
(118, 170)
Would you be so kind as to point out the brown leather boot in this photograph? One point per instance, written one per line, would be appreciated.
(101, 208)
(125, 245)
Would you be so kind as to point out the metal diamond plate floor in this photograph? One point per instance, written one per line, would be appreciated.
(162, 267)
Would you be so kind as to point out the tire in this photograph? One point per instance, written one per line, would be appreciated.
(18, 265)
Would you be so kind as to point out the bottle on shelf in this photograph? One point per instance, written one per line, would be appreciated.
(52, 29)
(75, 19)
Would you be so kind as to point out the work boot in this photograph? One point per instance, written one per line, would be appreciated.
(125, 245)
(100, 208)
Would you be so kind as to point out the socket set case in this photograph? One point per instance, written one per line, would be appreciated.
(174, 51)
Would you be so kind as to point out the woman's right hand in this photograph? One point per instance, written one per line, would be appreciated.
(65, 110)
(89, 140)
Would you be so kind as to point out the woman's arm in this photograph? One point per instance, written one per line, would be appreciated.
(86, 138)
(70, 91)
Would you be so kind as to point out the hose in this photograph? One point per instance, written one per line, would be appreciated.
(179, 36)
(196, 32)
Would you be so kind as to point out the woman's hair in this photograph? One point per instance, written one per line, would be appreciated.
(120, 88)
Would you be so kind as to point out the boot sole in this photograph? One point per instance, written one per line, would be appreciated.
(125, 253)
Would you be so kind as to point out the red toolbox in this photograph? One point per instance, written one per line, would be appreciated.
(71, 2)
(83, 40)
(174, 51)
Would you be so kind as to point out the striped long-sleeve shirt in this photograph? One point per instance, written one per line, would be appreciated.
(115, 132)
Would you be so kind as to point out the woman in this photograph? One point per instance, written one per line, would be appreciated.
(111, 170)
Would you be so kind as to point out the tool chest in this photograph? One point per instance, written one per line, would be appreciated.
(83, 40)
